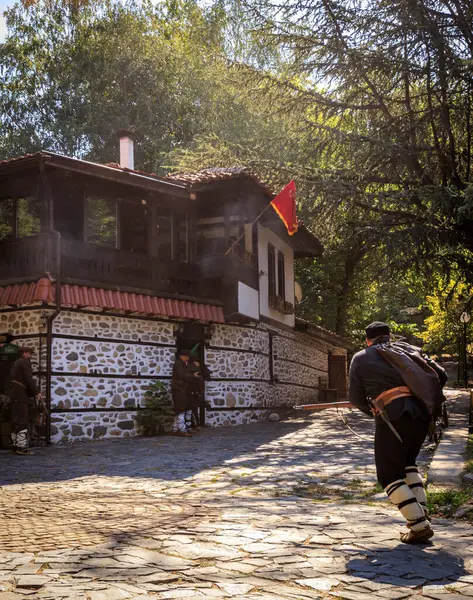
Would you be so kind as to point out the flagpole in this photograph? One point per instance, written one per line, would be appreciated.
(251, 225)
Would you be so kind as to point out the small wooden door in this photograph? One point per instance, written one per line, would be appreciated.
(337, 374)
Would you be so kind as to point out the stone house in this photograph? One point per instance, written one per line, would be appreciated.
(107, 270)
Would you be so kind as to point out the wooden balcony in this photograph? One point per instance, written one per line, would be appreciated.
(29, 258)
(26, 258)
(237, 265)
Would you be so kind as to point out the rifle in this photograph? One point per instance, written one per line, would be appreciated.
(43, 404)
(322, 405)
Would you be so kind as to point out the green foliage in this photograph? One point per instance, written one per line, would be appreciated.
(374, 127)
(444, 329)
(72, 76)
(444, 503)
(469, 455)
(158, 413)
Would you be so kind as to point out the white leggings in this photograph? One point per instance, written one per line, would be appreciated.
(20, 439)
(181, 420)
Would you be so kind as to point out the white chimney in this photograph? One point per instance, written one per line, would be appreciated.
(127, 158)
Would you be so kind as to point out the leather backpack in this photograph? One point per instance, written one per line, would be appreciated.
(418, 375)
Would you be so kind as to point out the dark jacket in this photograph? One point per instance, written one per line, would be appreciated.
(22, 406)
(370, 375)
(197, 387)
(182, 379)
(21, 372)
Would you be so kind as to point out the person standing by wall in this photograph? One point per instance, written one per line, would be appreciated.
(374, 383)
(23, 394)
(197, 390)
(182, 379)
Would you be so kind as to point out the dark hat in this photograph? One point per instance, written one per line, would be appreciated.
(24, 349)
(375, 329)
(184, 352)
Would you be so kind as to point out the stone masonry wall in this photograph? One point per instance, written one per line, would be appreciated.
(103, 364)
(98, 382)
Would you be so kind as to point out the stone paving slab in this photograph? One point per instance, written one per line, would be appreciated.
(448, 463)
(265, 511)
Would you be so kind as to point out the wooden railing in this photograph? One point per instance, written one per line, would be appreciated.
(27, 258)
(88, 262)
(223, 247)
(31, 257)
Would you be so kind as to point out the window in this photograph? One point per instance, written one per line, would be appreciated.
(133, 228)
(69, 213)
(164, 234)
(102, 221)
(183, 233)
(281, 276)
(271, 270)
(6, 219)
(29, 216)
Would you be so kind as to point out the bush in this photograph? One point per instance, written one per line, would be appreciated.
(157, 415)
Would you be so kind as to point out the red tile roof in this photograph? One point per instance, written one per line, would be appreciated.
(19, 158)
(81, 297)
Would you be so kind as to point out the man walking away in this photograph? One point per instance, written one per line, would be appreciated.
(182, 378)
(376, 387)
(23, 393)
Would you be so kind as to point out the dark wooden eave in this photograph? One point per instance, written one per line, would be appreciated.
(323, 334)
(128, 177)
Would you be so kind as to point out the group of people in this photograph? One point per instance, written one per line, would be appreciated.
(188, 392)
(375, 387)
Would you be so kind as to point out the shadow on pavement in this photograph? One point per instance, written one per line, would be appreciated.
(409, 566)
(170, 458)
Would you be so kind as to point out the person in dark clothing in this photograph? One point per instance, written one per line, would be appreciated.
(197, 391)
(23, 396)
(182, 378)
(372, 378)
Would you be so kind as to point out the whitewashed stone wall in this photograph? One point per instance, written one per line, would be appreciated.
(72, 355)
(99, 382)
(114, 327)
(300, 348)
(296, 381)
(142, 350)
(227, 364)
(74, 427)
(20, 322)
(98, 392)
(243, 338)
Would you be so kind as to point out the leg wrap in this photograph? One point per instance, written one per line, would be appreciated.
(22, 439)
(403, 497)
(188, 419)
(13, 439)
(179, 423)
(414, 481)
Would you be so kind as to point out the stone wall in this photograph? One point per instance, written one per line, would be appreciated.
(298, 360)
(103, 364)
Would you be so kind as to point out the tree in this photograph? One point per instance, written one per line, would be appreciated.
(385, 90)
(72, 75)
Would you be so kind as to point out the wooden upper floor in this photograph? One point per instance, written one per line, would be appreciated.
(104, 226)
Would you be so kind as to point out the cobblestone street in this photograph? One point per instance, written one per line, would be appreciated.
(265, 511)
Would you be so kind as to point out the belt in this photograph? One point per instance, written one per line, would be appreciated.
(19, 383)
(388, 396)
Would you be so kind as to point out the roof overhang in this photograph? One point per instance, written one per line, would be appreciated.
(104, 172)
(323, 334)
(43, 293)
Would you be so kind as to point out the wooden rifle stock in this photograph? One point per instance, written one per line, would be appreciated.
(322, 405)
